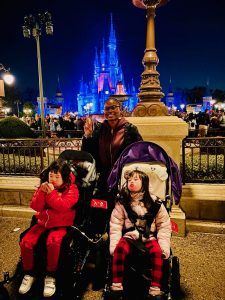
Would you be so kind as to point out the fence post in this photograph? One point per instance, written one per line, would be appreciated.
(42, 156)
(183, 160)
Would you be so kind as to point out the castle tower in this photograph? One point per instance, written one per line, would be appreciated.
(170, 95)
(207, 98)
(55, 106)
(107, 73)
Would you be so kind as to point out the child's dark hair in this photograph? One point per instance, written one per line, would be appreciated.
(124, 196)
(55, 167)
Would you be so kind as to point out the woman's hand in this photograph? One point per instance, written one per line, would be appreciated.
(88, 127)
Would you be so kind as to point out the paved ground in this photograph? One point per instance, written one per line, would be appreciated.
(202, 259)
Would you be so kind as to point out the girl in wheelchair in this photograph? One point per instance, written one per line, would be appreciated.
(54, 202)
(138, 217)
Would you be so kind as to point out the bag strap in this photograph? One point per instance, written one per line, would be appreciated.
(149, 216)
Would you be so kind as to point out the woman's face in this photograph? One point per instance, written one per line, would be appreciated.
(112, 110)
(134, 183)
(55, 179)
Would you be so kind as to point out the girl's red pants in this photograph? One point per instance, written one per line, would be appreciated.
(53, 245)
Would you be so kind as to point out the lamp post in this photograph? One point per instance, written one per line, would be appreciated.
(150, 89)
(18, 102)
(32, 27)
(8, 78)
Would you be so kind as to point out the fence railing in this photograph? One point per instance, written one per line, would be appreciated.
(203, 160)
(62, 133)
(31, 156)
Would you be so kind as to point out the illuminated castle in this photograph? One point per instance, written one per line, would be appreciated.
(107, 80)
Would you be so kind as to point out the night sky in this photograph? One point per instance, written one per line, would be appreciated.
(190, 42)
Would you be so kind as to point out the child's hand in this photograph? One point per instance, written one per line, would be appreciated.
(50, 188)
(43, 187)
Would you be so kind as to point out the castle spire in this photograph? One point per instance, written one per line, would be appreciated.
(82, 89)
(96, 62)
(58, 93)
(112, 35)
(207, 90)
(113, 57)
(103, 55)
(170, 89)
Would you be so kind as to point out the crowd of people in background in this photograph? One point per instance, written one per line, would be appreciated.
(69, 125)
(207, 123)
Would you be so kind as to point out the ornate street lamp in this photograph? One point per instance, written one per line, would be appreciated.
(8, 78)
(32, 27)
(150, 89)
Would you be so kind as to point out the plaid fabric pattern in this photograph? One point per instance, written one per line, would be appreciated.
(156, 262)
(121, 252)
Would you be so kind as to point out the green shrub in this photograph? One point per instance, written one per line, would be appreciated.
(12, 127)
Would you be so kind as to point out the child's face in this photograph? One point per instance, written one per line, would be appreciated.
(134, 183)
(55, 179)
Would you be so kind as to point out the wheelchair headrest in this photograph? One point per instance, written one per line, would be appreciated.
(82, 164)
(157, 173)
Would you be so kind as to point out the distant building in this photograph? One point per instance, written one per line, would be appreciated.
(169, 98)
(106, 77)
(207, 98)
(174, 99)
(53, 106)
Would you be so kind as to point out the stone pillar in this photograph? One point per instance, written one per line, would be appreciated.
(168, 132)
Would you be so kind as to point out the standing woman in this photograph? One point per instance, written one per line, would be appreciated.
(108, 139)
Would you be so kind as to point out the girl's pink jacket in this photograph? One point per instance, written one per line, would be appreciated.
(161, 226)
(55, 209)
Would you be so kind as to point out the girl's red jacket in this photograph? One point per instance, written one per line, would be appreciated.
(55, 209)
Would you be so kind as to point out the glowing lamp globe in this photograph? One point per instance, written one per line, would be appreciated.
(8, 78)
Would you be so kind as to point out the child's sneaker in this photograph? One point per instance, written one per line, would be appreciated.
(49, 287)
(116, 292)
(26, 284)
(155, 294)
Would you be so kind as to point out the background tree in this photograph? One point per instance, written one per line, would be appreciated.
(219, 95)
(195, 94)
(28, 108)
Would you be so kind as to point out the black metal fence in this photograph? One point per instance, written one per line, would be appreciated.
(31, 156)
(203, 160)
(209, 132)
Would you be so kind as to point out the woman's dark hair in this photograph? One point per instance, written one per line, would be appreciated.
(124, 196)
(55, 167)
(113, 99)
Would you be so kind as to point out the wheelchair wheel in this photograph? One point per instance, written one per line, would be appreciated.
(175, 278)
(100, 262)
